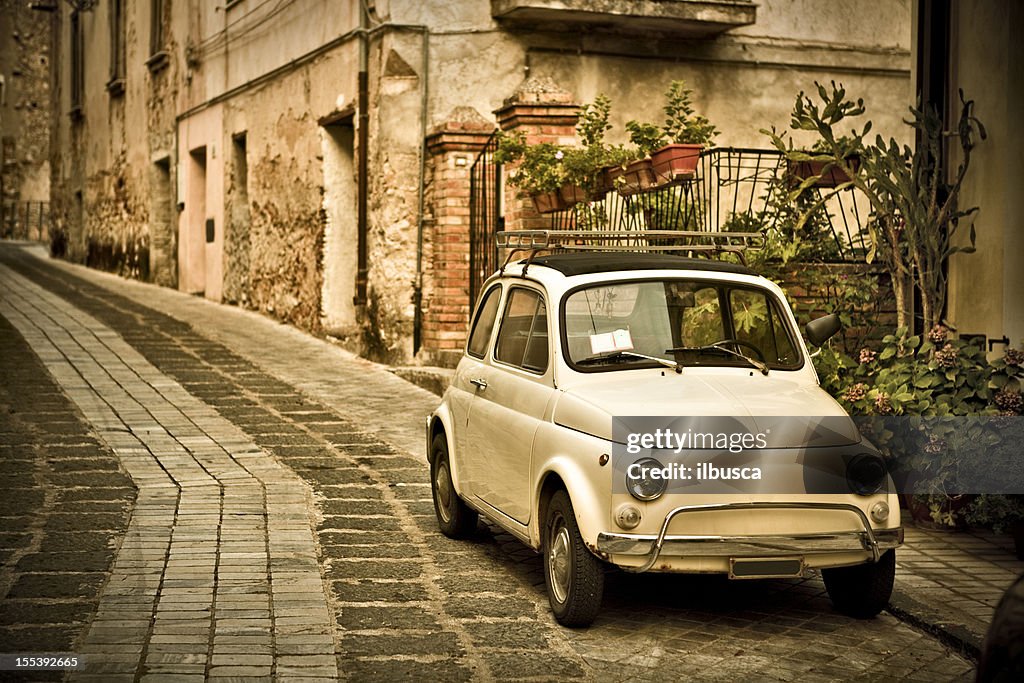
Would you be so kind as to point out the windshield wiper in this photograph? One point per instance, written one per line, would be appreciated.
(762, 367)
(621, 355)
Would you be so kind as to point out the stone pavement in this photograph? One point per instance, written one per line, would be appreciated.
(217, 574)
(403, 601)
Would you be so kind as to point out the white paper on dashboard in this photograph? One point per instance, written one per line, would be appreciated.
(609, 342)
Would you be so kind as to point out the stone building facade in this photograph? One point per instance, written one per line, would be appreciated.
(24, 119)
(310, 160)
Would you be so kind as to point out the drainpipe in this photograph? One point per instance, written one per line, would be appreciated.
(417, 291)
(363, 105)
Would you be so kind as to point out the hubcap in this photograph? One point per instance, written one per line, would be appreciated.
(442, 486)
(558, 562)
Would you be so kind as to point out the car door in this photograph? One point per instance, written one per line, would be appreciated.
(463, 389)
(512, 390)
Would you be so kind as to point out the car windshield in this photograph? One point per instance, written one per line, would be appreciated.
(690, 322)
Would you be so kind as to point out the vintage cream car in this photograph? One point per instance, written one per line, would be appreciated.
(569, 352)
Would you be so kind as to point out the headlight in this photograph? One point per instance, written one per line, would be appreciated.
(639, 480)
(865, 474)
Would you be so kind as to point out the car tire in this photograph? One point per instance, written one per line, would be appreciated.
(454, 517)
(573, 576)
(862, 591)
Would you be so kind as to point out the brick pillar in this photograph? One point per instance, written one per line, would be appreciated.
(452, 149)
(545, 113)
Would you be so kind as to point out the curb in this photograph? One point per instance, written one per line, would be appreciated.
(955, 636)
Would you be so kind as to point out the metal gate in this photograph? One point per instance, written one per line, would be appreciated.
(485, 217)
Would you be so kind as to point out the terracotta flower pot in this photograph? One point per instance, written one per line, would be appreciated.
(571, 195)
(835, 176)
(639, 176)
(676, 162)
(548, 202)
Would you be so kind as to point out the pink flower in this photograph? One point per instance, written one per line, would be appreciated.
(938, 334)
(1014, 357)
(946, 356)
(867, 356)
(1009, 401)
(883, 405)
(559, 155)
(855, 392)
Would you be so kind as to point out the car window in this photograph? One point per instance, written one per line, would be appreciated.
(756, 321)
(484, 323)
(612, 326)
(523, 335)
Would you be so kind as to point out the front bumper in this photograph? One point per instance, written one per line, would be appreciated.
(875, 541)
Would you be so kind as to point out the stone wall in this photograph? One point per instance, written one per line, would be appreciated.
(24, 106)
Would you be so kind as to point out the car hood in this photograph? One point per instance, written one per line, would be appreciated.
(791, 411)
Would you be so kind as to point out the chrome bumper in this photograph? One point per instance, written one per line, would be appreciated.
(873, 541)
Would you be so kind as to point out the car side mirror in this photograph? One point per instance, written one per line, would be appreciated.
(820, 330)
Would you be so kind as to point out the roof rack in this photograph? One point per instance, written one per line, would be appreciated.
(533, 241)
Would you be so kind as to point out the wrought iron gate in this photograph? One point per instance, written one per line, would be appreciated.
(485, 217)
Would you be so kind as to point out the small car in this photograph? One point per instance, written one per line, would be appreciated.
(586, 366)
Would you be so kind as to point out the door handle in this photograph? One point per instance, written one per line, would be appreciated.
(479, 382)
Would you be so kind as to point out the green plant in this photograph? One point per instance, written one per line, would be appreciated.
(996, 511)
(541, 167)
(915, 214)
(646, 136)
(682, 124)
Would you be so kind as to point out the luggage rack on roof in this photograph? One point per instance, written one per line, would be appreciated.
(687, 241)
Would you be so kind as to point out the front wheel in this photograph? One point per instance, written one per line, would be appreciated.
(862, 591)
(574, 577)
(454, 517)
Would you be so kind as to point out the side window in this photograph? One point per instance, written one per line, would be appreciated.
(523, 335)
(484, 323)
(757, 320)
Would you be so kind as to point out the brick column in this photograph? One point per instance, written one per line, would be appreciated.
(452, 149)
(545, 113)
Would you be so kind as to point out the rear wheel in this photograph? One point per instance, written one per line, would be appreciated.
(454, 517)
(574, 577)
(862, 591)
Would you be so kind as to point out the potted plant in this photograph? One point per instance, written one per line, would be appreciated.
(686, 133)
(915, 209)
(586, 167)
(541, 171)
(638, 174)
(819, 167)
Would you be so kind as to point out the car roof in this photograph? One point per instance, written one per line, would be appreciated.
(603, 262)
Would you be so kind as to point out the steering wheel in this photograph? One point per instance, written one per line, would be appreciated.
(740, 342)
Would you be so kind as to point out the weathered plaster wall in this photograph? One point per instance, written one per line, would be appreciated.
(24, 100)
(231, 72)
(103, 153)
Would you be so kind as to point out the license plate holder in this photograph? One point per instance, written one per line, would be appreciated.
(766, 567)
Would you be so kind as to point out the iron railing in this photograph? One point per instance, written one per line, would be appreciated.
(733, 189)
(485, 217)
(25, 220)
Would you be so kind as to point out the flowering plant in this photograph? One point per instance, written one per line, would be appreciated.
(541, 167)
(930, 375)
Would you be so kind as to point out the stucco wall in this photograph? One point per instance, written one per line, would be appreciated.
(278, 78)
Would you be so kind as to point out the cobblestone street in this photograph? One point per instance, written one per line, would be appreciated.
(192, 492)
